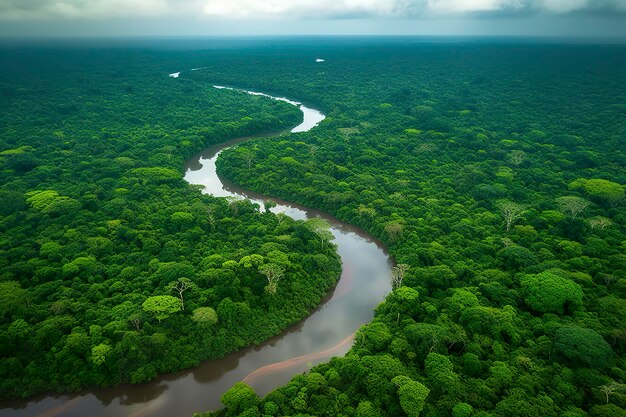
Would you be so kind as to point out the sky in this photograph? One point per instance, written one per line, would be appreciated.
(98, 18)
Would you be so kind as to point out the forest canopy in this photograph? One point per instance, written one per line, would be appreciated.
(112, 268)
(494, 173)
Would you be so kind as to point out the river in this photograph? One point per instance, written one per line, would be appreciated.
(327, 332)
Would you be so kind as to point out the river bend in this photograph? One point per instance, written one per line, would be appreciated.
(327, 332)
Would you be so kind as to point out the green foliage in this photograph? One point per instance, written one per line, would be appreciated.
(204, 315)
(421, 143)
(19, 329)
(601, 189)
(320, 227)
(583, 346)
(239, 398)
(407, 298)
(155, 174)
(607, 410)
(100, 353)
(377, 336)
(549, 293)
(39, 200)
(161, 306)
(426, 149)
(96, 223)
(462, 410)
(12, 297)
(441, 377)
(366, 409)
(273, 272)
(412, 395)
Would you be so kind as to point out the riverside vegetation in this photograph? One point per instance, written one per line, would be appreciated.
(495, 175)
(492, 171)
(113, 268)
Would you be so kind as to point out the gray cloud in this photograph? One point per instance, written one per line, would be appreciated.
(19, 10)
(401, 8)
(95, 9)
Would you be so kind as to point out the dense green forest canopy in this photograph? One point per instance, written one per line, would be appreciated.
(493, 171)
(112, 268)
(495, 175)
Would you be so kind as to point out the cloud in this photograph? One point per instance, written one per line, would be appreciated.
(320, 9)
(563, 6)
(293, 9)
(472, 6)
(324, 9)
(92, 9)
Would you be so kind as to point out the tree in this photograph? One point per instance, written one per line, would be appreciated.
(155, 174)
(406, 299)
(397, 275)
(462, 410)
(180, 286)
(273, 272)
(607, 410)
(602, 189)
(599, 222)
(583, 346)
(612, 388)
(161, 306)
(366, 409)
(501, 375)
(510, 211)
(572, 205)
(81, 266)
(12, 297)
(269, 205)
(19, 329)
(321, 228)
(393, 230)
(100, 353)
(233, 204)
(281, 217)
(516, 157)
(439, 371)
(205, 315)
(547, 292)
(39, 200)
(135, 320)
(239, 398)
(377, 336)
(247, 155)
(412, 395)
(210, 213)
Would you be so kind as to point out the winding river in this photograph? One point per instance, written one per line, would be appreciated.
(327, 332)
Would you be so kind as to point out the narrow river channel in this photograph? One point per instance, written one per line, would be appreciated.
(327, 332)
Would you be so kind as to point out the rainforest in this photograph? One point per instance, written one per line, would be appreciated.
(487, 176)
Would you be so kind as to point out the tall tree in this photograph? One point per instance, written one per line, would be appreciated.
(180, 286)
(321, 228)
(511, 211)
(161, 306)
(572, 205)
(397, 275)
(273, 272)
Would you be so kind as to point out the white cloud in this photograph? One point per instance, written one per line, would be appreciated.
(294, 9)
(248, 9)
(242, 9)
(464, 6)
(89, 9)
